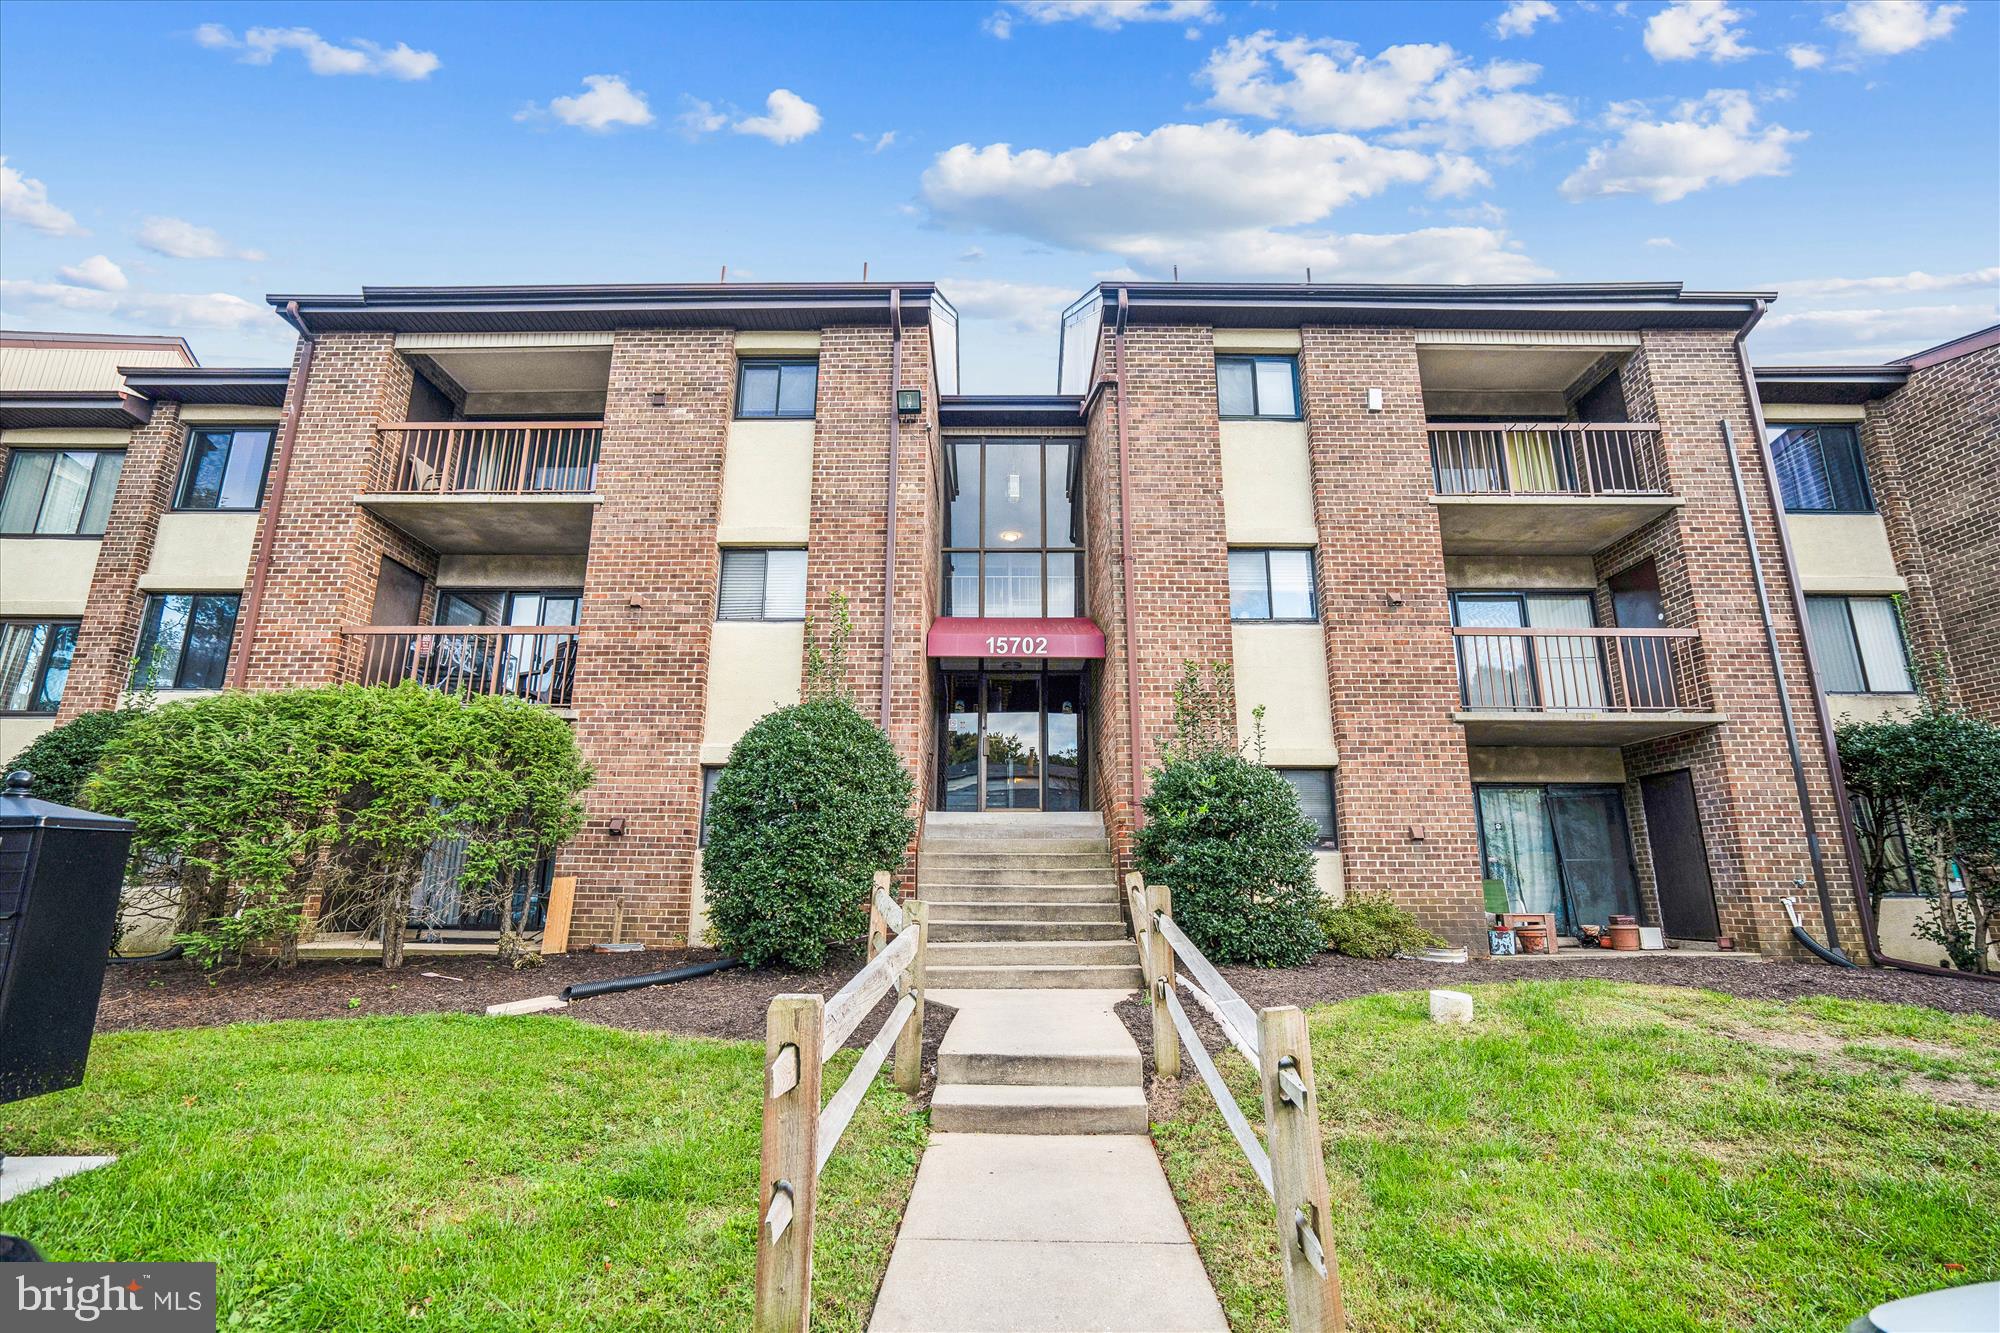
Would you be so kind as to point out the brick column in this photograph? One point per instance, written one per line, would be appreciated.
(109, 634)
(648, 607)
(1406, 811)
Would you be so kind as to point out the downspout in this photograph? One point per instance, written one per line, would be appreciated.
(1827, 742)
(895, 466)
(274, 501)
(1125, 568)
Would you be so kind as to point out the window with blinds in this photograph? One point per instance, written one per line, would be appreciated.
(1858, 642)
(762, 584)
(1314, 787)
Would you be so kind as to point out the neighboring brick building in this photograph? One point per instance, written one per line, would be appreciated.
(1477, 553)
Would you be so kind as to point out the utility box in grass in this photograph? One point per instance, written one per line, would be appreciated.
(60, 871)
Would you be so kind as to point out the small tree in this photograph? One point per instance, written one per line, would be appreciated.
(813, 801)
(64, 758)
(1227, 835)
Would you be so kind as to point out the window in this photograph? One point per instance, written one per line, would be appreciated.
(1271, 585)
(1314, 787)
(59, 492)
(1820, 469)
(34, 664)
(710, 775)
(1859, 644)
(762, 585)
(1014, 528)
(184, 641)
(224, 469)
(1257, 386)
(776, 388)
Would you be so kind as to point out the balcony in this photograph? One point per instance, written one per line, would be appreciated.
(1579, 686)
(532, 662)
(490, 487)
(1545, 488)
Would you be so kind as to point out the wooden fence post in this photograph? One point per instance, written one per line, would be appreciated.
(789, 1169)
(878, 929)
(1298, 1173)
(910, 1041)
(1166, 1038)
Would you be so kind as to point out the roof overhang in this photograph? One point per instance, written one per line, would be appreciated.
(988, 412)
(740, 305)
(1608, 306)
(1828, 384)
(235, 386)
(28, 408)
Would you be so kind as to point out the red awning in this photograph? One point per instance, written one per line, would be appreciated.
(1017, 637)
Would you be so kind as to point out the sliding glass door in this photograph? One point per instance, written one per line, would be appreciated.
(1561, 849)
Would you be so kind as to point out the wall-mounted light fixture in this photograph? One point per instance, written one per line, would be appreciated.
(1374, 400)
(615, 826)
(909, 401)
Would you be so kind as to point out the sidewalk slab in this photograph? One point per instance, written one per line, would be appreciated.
(18, 1175)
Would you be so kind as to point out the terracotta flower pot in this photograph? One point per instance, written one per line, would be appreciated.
(1624, 935)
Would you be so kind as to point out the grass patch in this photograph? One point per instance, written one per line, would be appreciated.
(1590, 1155)
(469, 1173)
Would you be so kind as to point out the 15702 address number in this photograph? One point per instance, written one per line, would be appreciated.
(1023, 645)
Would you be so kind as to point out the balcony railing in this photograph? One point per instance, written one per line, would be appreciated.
(1578, 670)
(489, 458)
(534, 662)
(1546, 458)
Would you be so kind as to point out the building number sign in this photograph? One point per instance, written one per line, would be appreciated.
(1021, 645)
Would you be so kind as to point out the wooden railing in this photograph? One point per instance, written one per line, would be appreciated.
(1578, 670)
(536, 662)
(488, 457)
(1292, 1168)
(1546, 458)
(800, 1033)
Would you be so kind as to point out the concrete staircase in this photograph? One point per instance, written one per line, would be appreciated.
(1028, 943)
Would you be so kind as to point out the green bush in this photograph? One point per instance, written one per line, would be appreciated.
(813, 801)
(62, 760)
(261, 801)
(1372, 925)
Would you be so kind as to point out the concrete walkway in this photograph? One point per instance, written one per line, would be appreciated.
(1024, 1229)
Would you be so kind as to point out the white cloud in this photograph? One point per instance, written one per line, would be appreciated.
(606, 102)
(25, 200)
(1714, 140)
(179, 239)
(878, 143)
(1662, 242)
(96, 272)
(1693, 29)
(1804, 55)
(1519, 18)
(201, 310)
(1891, 27)
(1909, 283)
(1022, 307)
(1108, 15)
(1428, 89)
(787, 118)
(1867, 335)
(698, 117)
(1215, 200)
(258, 46)
(1457, 175)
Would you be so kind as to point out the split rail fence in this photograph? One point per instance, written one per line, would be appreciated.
(800, 1033)
(1289, 1160)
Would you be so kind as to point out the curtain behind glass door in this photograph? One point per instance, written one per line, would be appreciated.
(1595, 851)
(1521, 850)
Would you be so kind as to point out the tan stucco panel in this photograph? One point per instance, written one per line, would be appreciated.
(1278, 341)
(753, 667)
(46, 576)
(228, 414)
(773, 342)
(511, 572)
(201, 553)
(1330, 876)
(1843, 553)
(1562, 573)
(1778, 414)
(1283, 668)
(766, 483)
(1267, 488)
(1546, 763)
(83, 437)
(1870, 707)
(17, 733)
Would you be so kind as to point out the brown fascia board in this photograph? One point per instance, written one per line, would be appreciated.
(237, 386)
(1851, 385)
(585, 308)
(1484, 306)
(1951, 351)
(108, 341)
(40, 408)
(1047, 411)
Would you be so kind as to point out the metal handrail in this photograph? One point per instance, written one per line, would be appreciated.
(535, 662)
(1505, 668)
(1548, 458)
(488, 457)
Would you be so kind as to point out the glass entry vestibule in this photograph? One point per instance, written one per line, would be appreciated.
(1560, 848)
(1011, 740)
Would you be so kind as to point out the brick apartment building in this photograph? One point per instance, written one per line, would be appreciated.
(1483, 556)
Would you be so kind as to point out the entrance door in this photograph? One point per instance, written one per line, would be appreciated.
(1012, 744)
(1011, 741)
(1561, 849)
(1636, 604)
(1680, 859)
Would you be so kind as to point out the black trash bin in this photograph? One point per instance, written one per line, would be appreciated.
(60, 871)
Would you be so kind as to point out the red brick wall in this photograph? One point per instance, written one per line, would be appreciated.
(1391, 667)
(109, 634)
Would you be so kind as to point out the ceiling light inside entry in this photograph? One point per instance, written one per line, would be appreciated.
(1010, 535)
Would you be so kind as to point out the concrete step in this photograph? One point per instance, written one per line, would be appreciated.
(1013, 976)
(970, 932)
(972, 953)
(1039, 1038)
(1016, 823)
(1043, 846)
(964, 909)
(985, 1108)
(978, 874)
(951, 855)
(1019, 893)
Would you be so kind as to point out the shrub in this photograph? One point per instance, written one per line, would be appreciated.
(812, 802)
(264, 800)
(63, 759)
(1372, 925)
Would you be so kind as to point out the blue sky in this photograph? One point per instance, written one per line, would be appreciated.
(167, 165)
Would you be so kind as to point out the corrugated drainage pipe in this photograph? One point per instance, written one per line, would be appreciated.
(583, 990)
(1834, 956)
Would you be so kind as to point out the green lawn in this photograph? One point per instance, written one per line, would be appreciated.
(1593, 1155)
(473, 1173)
